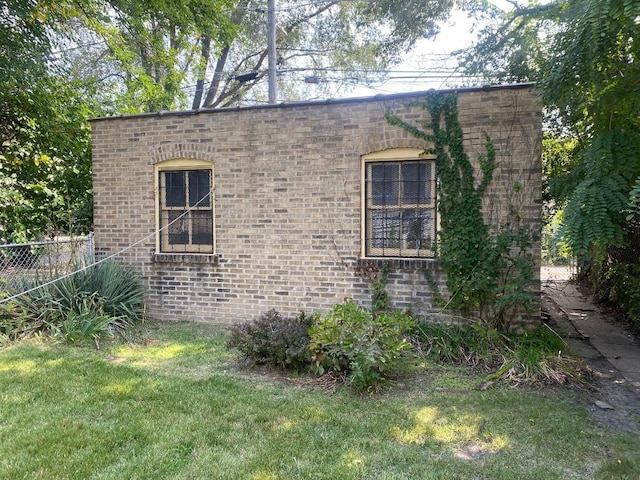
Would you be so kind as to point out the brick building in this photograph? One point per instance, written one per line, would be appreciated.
(236, 211)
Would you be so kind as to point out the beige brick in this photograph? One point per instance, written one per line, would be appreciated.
(287, 197)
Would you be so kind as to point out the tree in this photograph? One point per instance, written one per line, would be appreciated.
(586, 58)
(209, 53)
(322, 46)
(45, 179)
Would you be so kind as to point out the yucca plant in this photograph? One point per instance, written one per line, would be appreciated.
(96, 299)
(74, 327)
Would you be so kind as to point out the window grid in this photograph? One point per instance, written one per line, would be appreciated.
(186, 213)
(400, 205)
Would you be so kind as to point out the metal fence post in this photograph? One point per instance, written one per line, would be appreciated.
(92, 255)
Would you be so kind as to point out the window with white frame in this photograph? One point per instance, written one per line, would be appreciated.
(185, 207)
(399, 204)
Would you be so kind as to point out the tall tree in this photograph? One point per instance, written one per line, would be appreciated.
(585, 54)
(45, 179)
(322, 46)
(208, 53)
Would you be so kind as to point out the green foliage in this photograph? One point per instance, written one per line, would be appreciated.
(589, 82)
(380, 301)
(585, 57)
(454, 344)
(275, 340)
(633, 208)
(110, 288)
(109, 292)
(146, 54)
(379, 278)
(45, 161)
(539, 356)
(488, 267)
(594, 212)
(555, 250)
(75, 326)
(617, 282)
(354, 340)
(510, 46)
(154, 45)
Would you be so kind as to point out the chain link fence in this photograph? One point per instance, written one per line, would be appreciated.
(32, 262)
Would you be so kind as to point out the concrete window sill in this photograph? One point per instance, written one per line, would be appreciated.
(185, 258)
(399, 263)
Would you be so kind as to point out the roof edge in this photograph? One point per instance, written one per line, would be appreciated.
(330, 101)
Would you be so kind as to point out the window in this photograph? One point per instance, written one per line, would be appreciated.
(399, 204)
(185, 207)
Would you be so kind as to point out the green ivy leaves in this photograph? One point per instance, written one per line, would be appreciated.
(488, 267)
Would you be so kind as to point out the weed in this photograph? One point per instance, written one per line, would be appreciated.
(539, 356)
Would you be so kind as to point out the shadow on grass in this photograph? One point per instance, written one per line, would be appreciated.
(168, 408)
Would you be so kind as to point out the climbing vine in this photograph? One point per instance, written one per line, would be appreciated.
(488, 267)
(379, 278)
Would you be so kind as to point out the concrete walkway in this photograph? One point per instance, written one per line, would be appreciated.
(592, 332)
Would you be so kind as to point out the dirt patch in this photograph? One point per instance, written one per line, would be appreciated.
(624, 414)
(471, 452)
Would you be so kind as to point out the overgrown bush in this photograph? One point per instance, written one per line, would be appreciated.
(275, 340)
(353, 339)
(539, 356)
(89, 303)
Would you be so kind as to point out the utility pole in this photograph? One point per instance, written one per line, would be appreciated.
(271, 48)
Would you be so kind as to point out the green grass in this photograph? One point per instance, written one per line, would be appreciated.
(170, 406)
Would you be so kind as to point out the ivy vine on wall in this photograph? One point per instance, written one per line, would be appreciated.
(488, 266)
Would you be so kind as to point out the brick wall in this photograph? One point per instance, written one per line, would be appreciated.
(288, 198)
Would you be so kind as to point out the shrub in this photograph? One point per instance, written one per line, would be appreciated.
(470, 344)
(74, 327)
(618, 284)
(92, 301)
(353, 339)
(275, 340)
(110, 288)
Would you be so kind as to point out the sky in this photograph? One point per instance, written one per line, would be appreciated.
(430, 63)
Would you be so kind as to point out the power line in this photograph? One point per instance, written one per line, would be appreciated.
(319, 3)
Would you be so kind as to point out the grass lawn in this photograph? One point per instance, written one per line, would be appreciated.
(169, 405)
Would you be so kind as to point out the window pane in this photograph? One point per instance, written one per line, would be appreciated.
(175, 189)
(179, 229)
(417, 229)
(199, 188)
(416, 183)
(384, 184)
(202, 224)
(385, 228)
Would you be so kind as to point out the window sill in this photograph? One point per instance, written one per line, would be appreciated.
(201, 258)
(399, 263)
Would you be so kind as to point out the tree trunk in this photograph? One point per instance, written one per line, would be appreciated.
(206, 50)
(217, 76)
